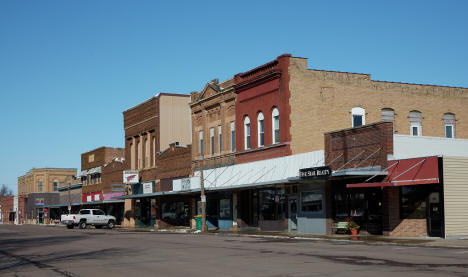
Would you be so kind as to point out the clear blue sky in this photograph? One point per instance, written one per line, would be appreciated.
(69, 68)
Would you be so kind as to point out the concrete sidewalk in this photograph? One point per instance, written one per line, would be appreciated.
(369, 239)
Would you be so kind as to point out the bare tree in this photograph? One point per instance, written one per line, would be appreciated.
(5, 191)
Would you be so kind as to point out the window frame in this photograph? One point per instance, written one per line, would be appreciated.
(212, 141)
(201, 142)
(220, 138)
(247, 134)
(275, 117)
(358, 111)
(260, 130)
(233, 136)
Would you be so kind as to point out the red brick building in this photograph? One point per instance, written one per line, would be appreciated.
(262, 111)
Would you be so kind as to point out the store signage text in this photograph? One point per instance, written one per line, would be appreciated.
(322, 172)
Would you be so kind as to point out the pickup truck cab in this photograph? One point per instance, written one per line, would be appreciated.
(85, 217)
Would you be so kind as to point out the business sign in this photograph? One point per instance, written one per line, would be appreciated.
(185, 184)
(322, 172)
(39, 201)
(147, 187)
(130, 177)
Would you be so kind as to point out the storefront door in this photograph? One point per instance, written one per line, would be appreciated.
(292, 211)
(434, 214)
(40, 216)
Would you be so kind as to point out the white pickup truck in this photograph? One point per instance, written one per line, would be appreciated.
(94, 217)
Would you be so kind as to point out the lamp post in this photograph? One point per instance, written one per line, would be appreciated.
(69, 199)
(202, 194)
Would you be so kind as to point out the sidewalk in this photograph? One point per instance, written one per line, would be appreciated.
(369, 239)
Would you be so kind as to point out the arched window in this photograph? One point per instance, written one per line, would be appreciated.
(388, 114)
(275, 125)
(261, 129)
(415, 118)
(449, 123)
(358, 117)
(246, 133)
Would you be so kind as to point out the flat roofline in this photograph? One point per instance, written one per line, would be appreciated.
(157, 96)
(108, 147)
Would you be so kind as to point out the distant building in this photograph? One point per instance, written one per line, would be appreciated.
(41, 180)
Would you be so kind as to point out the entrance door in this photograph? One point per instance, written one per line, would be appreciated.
(434, 215)
(40, 216)
(292, 211)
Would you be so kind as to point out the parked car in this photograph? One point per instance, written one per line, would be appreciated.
(85, 217)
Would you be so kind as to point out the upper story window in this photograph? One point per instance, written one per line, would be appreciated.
(388, 114)
(261, 129)
(449, 123)
(40, 186)
(55, 185)
(415, 118)
(233, 136)
(154, 151)
(212, 142)
(220, 138)
(358, 116)
(275, 125)
(201, 142)
(246, 133)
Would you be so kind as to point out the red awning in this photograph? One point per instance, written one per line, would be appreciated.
(410, 172)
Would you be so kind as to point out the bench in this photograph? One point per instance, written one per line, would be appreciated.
(341, 226)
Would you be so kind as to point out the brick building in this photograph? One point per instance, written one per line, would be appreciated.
(158, 124)
(283, 110)
(95, 182)
(43, 180)
(213, 124)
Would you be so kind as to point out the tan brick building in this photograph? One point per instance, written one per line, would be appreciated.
(43, 180)
(323, 101)
(213, 124)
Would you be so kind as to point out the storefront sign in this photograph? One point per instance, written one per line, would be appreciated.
(130, 177)
(322, 172)
(39, 201)
(185, 184)
(147, 187)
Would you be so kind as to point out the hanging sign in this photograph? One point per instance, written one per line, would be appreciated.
(322, 172)
(130, 177)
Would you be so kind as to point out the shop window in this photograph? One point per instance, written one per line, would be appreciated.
(225, 209)
(220, 138)
(311, 201)
(261, 130)
(246, 133)
(174, 213)
(415, 118)
(233, 136)
(273, 205)
(201, 141)
(358, 116)
(275, 126)
(449, 123)
(412, 202)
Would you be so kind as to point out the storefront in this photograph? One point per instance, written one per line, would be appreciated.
(407, 202)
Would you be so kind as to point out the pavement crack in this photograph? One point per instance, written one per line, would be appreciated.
(38, 264)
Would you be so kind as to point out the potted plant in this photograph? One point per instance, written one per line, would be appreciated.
(353, 227)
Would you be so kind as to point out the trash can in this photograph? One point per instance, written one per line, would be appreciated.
(198, 222)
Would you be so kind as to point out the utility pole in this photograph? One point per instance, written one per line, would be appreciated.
(202, 194)
(69, 199)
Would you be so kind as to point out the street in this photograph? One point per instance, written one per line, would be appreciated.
(30, 250)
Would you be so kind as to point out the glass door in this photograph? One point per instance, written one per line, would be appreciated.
(292, 211)
(434, 214)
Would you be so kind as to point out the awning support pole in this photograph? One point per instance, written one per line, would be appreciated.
(368, 157)
(351, 160)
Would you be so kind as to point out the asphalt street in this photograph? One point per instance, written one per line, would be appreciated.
(30, 250)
